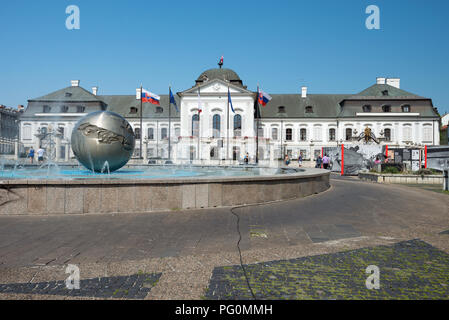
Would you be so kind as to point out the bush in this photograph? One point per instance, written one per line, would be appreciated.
(392, 170)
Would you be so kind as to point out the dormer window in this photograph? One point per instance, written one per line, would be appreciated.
(159, 110)
(47, 109)
(406, 108)
(68, 94)
(309, 109)
(281, 109)
(133, 110)
(385, 93)
(367, 108)
(386, 108)
(64, 109)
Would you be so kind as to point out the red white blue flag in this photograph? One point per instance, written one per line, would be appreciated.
(150, 97)
(263, 97)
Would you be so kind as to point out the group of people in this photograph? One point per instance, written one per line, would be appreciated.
(320, 162)
(40, 155)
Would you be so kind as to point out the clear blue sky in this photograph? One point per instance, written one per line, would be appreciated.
(279, 44)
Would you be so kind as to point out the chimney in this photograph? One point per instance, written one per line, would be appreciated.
(380, 80)
(75, 83)
(394, 82)
(94, 90)
(138, 94)
(303, 92)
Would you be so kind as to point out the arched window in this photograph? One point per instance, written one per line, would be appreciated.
(195, 125)
(387, 134)
(406, 108)
(150, 134)
(427, 133)
(289, 134)
(332, 134)
(309, 109)
(26, 132)
(348, 134)
(177, 132)
(216, 126)
(137, 133)
(133, 110)
(164, 133)
(237, 125)
(274, 133)
(367, 108)
(386, 108)
(303, 134)
(407, 133)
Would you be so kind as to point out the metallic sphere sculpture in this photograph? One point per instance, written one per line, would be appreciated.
(101, 137)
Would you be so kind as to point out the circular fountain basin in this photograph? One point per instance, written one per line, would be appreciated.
(73, 190)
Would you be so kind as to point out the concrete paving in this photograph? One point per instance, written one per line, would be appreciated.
(186, 246)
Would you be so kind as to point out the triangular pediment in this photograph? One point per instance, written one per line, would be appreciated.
(216, 86)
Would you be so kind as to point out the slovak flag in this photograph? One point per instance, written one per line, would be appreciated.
(150, 97)
(221, 60)
(264, 98)
(200, 109)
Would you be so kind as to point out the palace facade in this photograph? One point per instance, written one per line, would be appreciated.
(297, 123)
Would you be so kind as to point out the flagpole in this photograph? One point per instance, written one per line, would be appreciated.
(257, 125)
(227, 115)
(169, 122)
(141, 128)
(199, 132)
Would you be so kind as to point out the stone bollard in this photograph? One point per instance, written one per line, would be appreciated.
(446, 180)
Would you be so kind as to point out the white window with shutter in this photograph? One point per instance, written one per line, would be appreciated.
(317, 133)
(427, 133)
(407, 133)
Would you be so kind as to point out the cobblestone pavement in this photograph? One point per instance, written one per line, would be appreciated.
(135, 286)
(184, 248)
(408, 270)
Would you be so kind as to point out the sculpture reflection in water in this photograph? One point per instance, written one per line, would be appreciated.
(103, 138)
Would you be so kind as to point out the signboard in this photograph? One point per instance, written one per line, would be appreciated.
(415, 155)
(398, 156)
(406, 155)
(415, 165)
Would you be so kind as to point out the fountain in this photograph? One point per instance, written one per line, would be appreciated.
(103, 142)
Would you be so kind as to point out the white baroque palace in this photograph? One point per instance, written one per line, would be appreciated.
(297, 123)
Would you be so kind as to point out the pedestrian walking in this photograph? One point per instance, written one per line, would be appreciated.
(286, 160)
(326, 161)
(31, 155)
(300, 160)
(40, 155)
(318, 162)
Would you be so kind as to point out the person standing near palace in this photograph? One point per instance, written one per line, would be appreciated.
(326, 162)
(318, 162)
(31, 155)
(300, 160)
(40, 155)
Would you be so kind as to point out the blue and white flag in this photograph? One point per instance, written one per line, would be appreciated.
(172, 100)
(230, 101)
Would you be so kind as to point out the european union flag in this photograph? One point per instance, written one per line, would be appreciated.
(230, 101)
(172, 100)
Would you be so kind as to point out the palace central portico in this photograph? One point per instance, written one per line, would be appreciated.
(289, 124)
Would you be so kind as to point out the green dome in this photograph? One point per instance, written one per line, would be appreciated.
(222, 74)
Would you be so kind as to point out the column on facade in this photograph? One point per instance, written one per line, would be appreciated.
(67, 151)
(145, 151)
(58, 149)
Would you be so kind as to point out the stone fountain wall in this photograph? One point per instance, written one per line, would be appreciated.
(47, 197)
